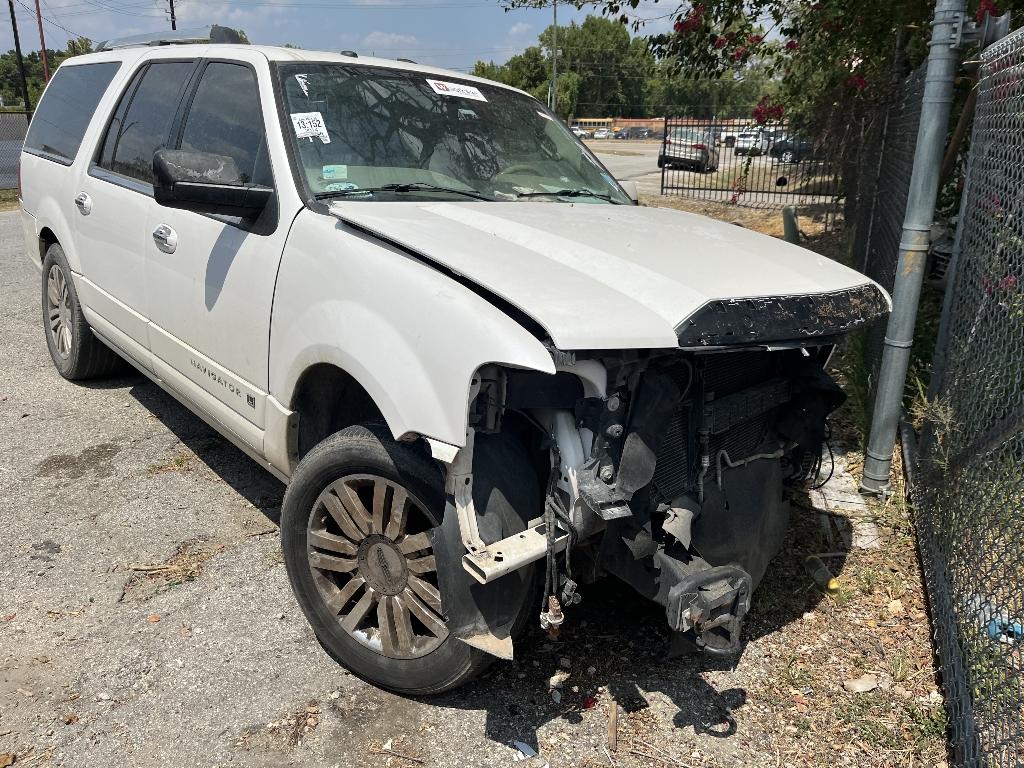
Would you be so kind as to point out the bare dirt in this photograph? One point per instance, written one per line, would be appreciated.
(146, 620)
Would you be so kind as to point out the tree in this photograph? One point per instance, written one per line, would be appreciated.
(10, 78)
(604, 72)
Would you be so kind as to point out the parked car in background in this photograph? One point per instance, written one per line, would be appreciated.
(603, 133)
(792, 149)
(633, 132)
(580, 133)
(688, 148)
(751, 143)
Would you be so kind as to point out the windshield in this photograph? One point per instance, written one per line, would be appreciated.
(358, 129)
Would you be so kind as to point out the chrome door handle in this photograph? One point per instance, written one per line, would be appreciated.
(166, 238)
(84, 203)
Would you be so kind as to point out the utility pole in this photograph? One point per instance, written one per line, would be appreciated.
(554, 58)
(42, 44)
(174, 22)
(943, 61)
(21, 61)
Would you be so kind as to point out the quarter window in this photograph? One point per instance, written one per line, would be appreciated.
(142, 122)
(67, 107)
(225, 119)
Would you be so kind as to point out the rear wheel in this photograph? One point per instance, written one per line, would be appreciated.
(76, 353)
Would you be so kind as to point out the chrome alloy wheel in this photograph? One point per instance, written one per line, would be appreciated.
(370, 552)
(58, 310)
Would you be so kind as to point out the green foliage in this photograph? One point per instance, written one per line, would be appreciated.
(824, 55)
(10, 79)
(604, 72)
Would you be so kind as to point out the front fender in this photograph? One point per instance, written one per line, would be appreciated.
(411, 336)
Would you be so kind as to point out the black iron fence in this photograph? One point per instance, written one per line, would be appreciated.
(759, 166)
(13, 126)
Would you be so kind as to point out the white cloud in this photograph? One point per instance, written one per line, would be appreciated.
(519, 30)
(388, 42)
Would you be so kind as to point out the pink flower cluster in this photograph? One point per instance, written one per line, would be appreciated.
(767, 110)
(857, 81)
(691, 21)
(986, 7)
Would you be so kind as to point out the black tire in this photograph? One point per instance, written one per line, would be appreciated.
(369, 451)
(661, 161)
(76, 353)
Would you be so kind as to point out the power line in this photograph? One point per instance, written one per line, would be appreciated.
(49, 21)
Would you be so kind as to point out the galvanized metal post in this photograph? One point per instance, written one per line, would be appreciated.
(943, 61)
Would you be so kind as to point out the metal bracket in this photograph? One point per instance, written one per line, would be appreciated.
(991, 29)
(459, 485)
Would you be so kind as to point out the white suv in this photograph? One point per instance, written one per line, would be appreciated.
(488, 377)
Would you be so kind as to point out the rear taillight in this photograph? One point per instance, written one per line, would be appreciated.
(700, 146)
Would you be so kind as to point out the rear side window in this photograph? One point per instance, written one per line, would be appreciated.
(142, 122)
(66, 108)
(225, 119)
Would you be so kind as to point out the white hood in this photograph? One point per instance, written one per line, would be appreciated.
(600, 276)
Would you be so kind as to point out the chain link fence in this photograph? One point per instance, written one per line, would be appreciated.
(887, 161)
(969, 484)
(13, 126)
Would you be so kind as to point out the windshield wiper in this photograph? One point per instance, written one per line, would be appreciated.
(414, 186)
(571, 193)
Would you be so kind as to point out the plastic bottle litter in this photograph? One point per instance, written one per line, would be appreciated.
(996, 622)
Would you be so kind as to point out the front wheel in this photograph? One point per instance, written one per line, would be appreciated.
(356, 529)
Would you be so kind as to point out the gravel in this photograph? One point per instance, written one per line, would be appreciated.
(209, 662)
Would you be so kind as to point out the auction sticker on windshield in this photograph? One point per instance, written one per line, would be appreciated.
(309, 124)
(456, 89)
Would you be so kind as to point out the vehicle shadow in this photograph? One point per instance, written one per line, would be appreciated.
(242, 474)
(613, 644)
(616, 645)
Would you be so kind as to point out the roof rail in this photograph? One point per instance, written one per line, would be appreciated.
(211, 34)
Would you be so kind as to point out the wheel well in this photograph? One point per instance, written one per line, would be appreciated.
(46, 239)
(328, 399)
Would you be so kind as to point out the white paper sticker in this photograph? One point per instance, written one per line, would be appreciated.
(456, 89)
(310, 124)
(334, 172)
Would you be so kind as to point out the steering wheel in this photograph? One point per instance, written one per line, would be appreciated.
(520, 168)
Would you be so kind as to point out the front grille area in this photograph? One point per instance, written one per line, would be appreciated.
(748, 388)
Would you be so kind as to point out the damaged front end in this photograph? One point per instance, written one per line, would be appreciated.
(670, 469)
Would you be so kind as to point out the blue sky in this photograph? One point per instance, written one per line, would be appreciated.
(447, 33)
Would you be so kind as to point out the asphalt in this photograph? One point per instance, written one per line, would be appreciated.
(106, 663)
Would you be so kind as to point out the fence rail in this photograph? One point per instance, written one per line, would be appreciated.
(13, 126)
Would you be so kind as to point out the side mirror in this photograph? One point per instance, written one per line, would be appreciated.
(629, 187)
(205, 183)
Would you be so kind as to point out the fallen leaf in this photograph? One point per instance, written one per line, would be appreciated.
(590, 702)
(862, 684)
(6, 759)
(71, 719)
(153, 618)
(895, 608)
